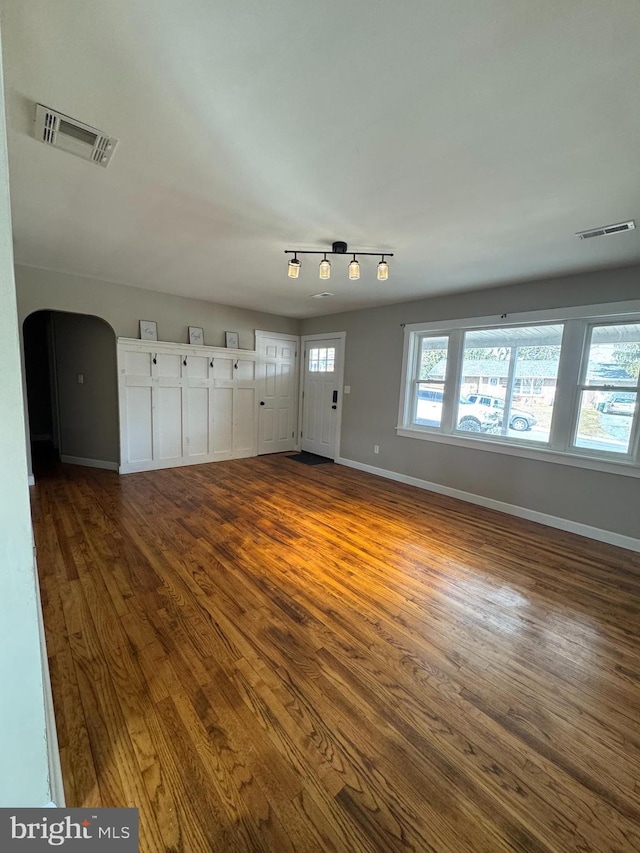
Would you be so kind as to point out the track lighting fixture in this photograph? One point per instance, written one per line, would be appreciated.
(339, 247)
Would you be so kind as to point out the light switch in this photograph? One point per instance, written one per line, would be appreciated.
(347, 389)
(81, 379)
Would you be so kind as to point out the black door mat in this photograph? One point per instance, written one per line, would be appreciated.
(309, 458)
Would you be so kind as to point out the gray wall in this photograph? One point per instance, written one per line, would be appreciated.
(88, 412)
(373, 365)
(24, 765)
(122, 307)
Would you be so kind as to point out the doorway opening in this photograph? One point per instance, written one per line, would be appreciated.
(71, 390)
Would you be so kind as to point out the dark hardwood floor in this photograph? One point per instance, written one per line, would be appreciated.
(262, 655)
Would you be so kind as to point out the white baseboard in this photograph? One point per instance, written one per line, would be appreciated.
(182, 461)
(566, 524)
(89, 463)
(161, 464)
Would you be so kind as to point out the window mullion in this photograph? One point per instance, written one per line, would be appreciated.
(511, 378)
(409, 368)
(452, 381)
(566, 394)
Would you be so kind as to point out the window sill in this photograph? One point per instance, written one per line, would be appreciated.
(626, 469)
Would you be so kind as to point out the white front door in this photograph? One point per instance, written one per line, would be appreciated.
(277, 374)
(321, 397)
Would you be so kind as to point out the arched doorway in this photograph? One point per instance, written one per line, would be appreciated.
(72, 389)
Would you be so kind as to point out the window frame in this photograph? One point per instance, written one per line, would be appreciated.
(416, 381)
(578, 323)
(583, 385)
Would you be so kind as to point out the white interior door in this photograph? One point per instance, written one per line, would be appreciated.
(277, 374)
(321, 395)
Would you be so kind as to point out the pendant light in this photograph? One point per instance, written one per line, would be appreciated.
(325, 267)
(354, 269)
(383, 270)
(294, 267)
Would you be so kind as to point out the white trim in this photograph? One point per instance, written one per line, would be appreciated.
(566, 524)
(611, 310)
(185, 348)
(561, 457)
(280, 336)
(342, 337)
(56, 785)
(180, 462)
(320, 337)
(89, 463)
(31, 480)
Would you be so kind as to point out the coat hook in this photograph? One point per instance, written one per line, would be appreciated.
(155, 358)
(185, 361)
(211, 362)
(236, 365)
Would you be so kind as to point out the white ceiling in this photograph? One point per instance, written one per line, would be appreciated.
(470, 137)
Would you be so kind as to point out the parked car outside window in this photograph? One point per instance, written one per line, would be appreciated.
(621, 403)
(471, 416)
(519, 419)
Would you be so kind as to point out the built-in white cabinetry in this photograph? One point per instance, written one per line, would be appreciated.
(181, 405)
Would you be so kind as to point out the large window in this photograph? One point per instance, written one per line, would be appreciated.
(566, 385)
(609, 388)
(524, 362)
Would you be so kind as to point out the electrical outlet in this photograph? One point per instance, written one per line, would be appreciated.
(376, 448)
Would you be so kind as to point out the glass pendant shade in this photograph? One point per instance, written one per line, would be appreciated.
(354, 269)
(325, 268)
(383, 270)
(294, 268)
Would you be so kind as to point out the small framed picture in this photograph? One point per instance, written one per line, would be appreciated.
(232, 340)
(196, 336)
(148, 330)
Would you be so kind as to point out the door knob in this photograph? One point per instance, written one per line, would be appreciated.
(334, 407)
(262, 402)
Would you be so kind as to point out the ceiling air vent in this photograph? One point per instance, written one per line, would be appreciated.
(73, 136)
(607, 229)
